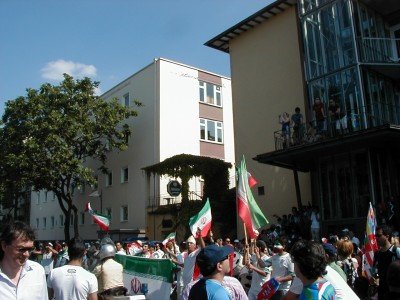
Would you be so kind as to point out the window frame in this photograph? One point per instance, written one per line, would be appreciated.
(125, 97)
(218, 126)
(121, 213)
(109, 179)
(217, 91)
(123, 179)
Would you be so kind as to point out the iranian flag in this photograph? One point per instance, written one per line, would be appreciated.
(248, 210)
(202, 220)
(170, 237)
(370, 242)
(102, 221)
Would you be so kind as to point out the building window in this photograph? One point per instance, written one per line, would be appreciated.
(54, 197)
(124, 213)
(44, 222)
(109, 179)
(37, 223)
(124, 175)
(52, 221)
(126, 100)
(82, 221)
(45, 197)
(210, 93)
(109, 212)
(37, 197)
(71, 219)
(211, 131)
(61, 220)
(261, 191)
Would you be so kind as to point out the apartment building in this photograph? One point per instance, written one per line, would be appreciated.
(185, 110)
(290, 53)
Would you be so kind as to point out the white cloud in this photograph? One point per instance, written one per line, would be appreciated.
(54, 70)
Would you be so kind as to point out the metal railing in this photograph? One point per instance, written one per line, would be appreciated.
(314, 131)
(379, 50)
(167, 199)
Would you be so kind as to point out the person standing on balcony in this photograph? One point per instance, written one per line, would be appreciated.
(284, 120)
(298, 126)
(319, 111)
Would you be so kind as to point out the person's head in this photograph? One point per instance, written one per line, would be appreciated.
(17, 242)
(214, 259)
(227, 241)
(145, 248)
(294, 210)
(344, 248)
(331, 101)
(317, 100)
(330, 252)
(191, 244)
(107, 251)
(297, 110)
(383, 235)
(220, 242)
(262, 246)
(309, 260)
(393, 276)
(76, 249)
(118, 245)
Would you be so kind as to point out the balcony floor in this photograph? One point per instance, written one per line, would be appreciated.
(303, 157)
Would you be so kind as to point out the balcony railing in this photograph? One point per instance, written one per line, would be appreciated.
(166, 199)
(354, 120)
(379, 50)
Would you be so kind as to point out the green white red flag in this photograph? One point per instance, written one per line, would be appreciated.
(248, 210)
(202, 220)
(370, 242)
(102, 221)
(170, 237)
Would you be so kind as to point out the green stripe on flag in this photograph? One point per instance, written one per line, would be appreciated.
(159, 269)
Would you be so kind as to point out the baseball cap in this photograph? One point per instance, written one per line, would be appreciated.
(278, 245)
(329, 249)
(214, 254)
(236, 241)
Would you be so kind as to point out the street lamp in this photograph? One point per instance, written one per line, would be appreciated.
(100, 196)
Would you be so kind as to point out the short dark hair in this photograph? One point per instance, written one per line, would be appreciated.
(261, 244)
(386, 230)
(297, 109)
(76, 248)
(13, 231)
(205, 265)
(310, 258)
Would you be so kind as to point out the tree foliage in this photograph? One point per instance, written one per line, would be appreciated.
(215, 173)
(47, 135)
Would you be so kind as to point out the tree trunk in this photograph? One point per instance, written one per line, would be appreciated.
(75, 211)
(67, 215)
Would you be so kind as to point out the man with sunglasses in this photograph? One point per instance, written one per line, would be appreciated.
(214, 265)
(20, 278)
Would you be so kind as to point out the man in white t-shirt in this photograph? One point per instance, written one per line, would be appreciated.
(315, 224)
(282, 269)
(260, 268)
(71, 281)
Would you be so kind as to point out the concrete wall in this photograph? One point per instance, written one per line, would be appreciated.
(266, 81)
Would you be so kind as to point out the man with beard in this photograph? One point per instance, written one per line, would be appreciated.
(20, 278)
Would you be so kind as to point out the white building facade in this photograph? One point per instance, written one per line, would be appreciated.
(185, 110)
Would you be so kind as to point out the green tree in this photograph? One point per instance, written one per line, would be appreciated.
(47, 135)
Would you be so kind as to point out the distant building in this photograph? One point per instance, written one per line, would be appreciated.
(186, 110)
(291, 52)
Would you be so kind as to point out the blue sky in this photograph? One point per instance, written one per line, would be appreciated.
(109, 40)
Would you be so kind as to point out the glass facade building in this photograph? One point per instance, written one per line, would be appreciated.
(351, 54)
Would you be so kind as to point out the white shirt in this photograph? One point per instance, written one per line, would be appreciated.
(71, 283)
(188, 268)
(31, 284)
(122, 252)
(342, 289)
(258, 280)
(282, 266)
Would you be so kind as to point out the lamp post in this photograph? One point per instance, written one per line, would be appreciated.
(100, 196)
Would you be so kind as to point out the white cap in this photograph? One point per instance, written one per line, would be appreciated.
(191, 239)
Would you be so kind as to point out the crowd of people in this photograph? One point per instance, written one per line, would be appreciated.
(301, 266)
